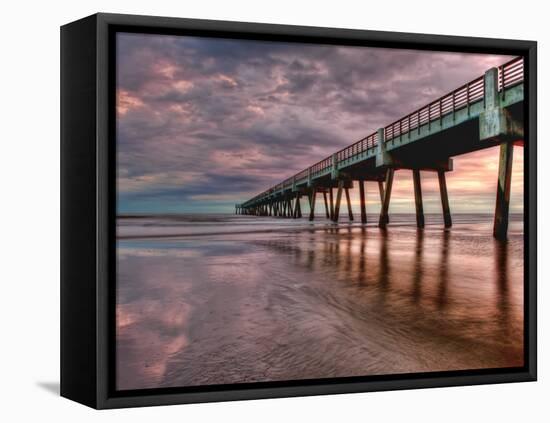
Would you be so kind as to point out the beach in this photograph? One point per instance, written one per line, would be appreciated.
(218, 299)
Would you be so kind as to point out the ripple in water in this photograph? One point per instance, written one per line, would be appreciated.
(247, 299)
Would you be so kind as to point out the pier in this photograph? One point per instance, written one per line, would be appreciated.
(486, 112)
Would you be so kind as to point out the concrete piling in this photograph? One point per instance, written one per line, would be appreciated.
(312, 205)
(338, 200)
(327, 211)
(444, 199)
(418, 198)
(350, 212)
(502, 206)
(386, 202)
(362, 201)
(331, 204)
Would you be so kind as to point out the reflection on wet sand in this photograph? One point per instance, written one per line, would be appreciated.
(316, 303)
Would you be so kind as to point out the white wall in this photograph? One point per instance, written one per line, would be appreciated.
(29, 98)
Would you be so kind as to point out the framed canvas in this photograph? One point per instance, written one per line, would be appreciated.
(256, 211)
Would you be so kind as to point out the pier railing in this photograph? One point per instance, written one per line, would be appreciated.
(509, 74)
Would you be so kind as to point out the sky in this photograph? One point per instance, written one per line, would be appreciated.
(205, 123)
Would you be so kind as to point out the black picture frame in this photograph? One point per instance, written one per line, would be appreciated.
(88, 213)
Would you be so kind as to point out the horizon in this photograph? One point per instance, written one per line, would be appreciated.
(317, 212)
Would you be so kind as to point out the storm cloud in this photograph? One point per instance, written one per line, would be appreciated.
(204, 123)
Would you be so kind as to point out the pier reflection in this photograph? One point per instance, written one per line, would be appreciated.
(418, 268)
(502, 282)
(318, 302)
(443, 270)
(448, 279)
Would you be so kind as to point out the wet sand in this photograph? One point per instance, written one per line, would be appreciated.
(215, 305)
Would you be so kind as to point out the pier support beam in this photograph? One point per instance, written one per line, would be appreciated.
(418, 199)
(381, 190)
(386, 202)
(444, 199)
(350, 212)
(331, 204)
(296, 207)
(362, 201)
(326, 205)
(500, 228)
(290, 208)
(312, 204)
(338, 201)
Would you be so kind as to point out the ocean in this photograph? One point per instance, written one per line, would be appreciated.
(217, 299)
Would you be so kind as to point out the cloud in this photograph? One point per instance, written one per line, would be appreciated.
(206, 122)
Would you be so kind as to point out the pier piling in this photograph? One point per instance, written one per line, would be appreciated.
(326, 205)
(418, 199)
(444, 199)
(362, 200)
(312, 205)
(500, 228)
(350, 212)
(331, 204)
(386, 201)
(338, 200)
